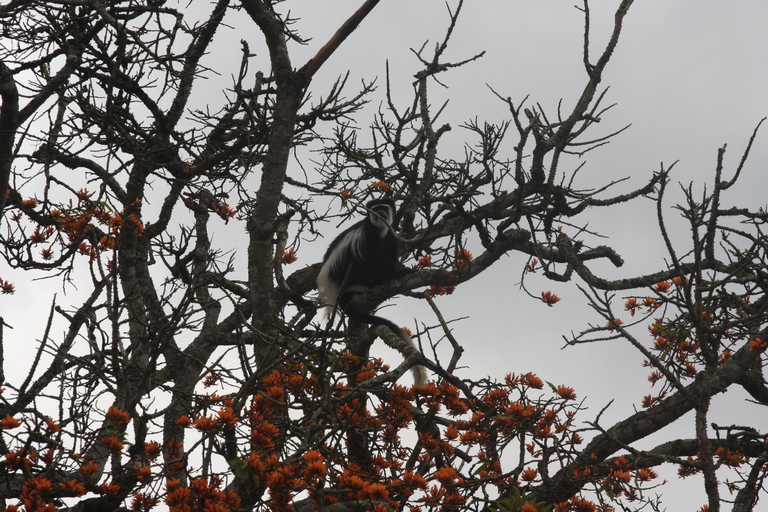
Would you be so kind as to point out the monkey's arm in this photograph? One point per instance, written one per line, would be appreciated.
(400, 270)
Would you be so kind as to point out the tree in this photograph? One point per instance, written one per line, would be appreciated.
(205, 379)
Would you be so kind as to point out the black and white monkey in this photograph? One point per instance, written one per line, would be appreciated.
(361, 257)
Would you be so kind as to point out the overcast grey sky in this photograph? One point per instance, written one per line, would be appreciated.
(689, 75)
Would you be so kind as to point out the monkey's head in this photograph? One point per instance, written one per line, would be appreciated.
(381, 213)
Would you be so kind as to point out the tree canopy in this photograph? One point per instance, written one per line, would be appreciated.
(194, 371)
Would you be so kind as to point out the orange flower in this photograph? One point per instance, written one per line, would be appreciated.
(621, 476)
(47, 457)
(376, 492)
(380, 186)
(528, 508)
(227, 417)
(206, 424)
(440, 290)
(184, 421)
(110, 489)
(223, 210)
(315, 471)
(414, 480)
(90, 469)
(631, 305)
(173, 450)
(650, 303)
(37, 237)
(520, 411)
(379, 507)
(30, 203)
(9, 422)
(133, 222)
(106, 243)
(37, 485)
(83, 194)
(566, 393)
(549, 298)
(446, 475)
(650, 401)
(654, 377)
(15, 458)
(118, 416)
(72, 488)
(582, 505)
(144, 473)
(531, 266)
(289, 256)
(179, 499)
(531, 380)
(352, 482)
(646, 474)
(142, 502)
(264, 435)
(529, 475)
(255, 462)
(152, 450)
(215, 506)
(757, 345)
(463, 257)
(112, 443)
(662, 287)
(345, 195)
(425, 261)
(6, 287)
(46, 254)
(231, 499)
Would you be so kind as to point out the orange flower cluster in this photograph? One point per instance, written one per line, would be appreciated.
(463, 257)
(440, 290)
(223, 210)
(425, 261)
(495, 416)
(142, 502)
(37, 493)
(617, 477)
(346, 194)
(9, 422)
(77, 223)
(758, 345)
(201, 495)
(380, 186)
(549, 298)
(117, 417)
(576, 504)
(633, 304)
(112, 443)
(225, 417)
(289, 256)
(6, 287)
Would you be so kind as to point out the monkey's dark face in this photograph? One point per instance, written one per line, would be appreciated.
(381, 216)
